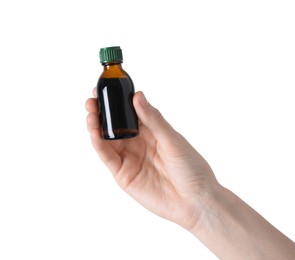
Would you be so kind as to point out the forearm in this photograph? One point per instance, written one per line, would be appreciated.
(233, 230)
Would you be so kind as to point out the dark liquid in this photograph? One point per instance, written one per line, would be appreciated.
(118, 118)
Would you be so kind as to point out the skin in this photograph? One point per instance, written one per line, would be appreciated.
(165, 174)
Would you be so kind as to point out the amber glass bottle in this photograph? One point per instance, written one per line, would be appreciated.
(115, 92)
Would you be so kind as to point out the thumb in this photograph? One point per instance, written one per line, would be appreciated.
(152, 118)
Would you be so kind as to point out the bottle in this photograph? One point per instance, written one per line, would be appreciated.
(115, 92)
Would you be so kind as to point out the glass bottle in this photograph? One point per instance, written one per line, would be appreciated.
(115, 90)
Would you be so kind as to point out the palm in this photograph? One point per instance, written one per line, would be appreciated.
(145, 172)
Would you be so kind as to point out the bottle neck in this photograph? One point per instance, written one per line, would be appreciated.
(112, 66)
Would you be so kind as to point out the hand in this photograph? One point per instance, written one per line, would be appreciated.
(164, 173)
(158, 168)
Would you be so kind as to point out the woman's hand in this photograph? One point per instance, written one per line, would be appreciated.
(158, 168)
(164, 173)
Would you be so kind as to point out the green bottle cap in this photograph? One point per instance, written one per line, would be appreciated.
(111, 54)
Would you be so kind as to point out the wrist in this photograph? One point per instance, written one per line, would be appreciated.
(210, 203)
(217, 227)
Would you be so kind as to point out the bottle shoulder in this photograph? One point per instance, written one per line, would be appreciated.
(115, 77)
(123, 83)
(114, 72)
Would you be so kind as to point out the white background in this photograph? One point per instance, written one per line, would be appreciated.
(221, 72)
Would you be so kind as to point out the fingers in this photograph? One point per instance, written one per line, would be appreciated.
(93, 116)
(92, 122)
(91, 105)
(152, 118)
(105, 151)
